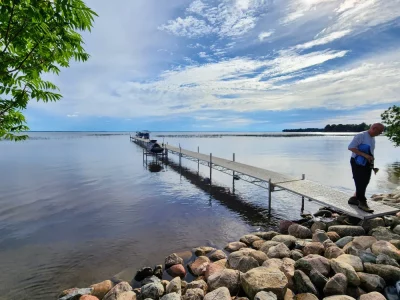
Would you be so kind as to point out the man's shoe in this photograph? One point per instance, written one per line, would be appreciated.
(353, 201)
(364, 206)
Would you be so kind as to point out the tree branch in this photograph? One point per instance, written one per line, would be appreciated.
(11, 39)
(9, 22)
(12, 102)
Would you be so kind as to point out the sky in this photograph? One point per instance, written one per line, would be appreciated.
(229, 65)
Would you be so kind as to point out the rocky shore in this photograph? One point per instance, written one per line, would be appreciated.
(391, 199)
(325, 256)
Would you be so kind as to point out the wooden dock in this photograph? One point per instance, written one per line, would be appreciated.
(275, 181)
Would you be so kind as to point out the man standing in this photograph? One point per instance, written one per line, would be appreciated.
(362, 162)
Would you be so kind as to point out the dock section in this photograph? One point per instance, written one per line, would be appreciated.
(274, 181)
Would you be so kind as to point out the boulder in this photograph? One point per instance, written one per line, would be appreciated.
(372, 296)
(193, 294)
(150, 279)
(313, 261)
(347, 270)
(235, 246)
(318, 225)
(217, 255)
(240, 260)
(339, 297)
(259, 256)
(364, 255)
(198, 284)
(158, 271)
(284, 226)
(173, 259)
(279, 251)
(303, 284)
(177, 270)
(285, 265)
(257, 244)
(226, 278)
(221, 293)
(288, 240)
(174, 286)
(306, 296)
(347, 230)
(384, 234)
(336, 285)
(171, 296)
(152, 290)
(363, 242)
(328, 243)
(289, 295)
(267, 245)
(248, 239)
(116, 292)
(385, 247)
(314, 248)
(198, 267)
(212, 269)
(320, 236)
(352, 260)
(262, 279)
(266, 235)
(371, 282)
(203, 250)
(373, 223)
(333, 236)
(143, 273)
(344, 241)
(296, 254)
(390, 274)
(333, 252)
(318, 279)
(102, 288)
(90, 297)
(265, 296)
(299, 231)
(384, 259)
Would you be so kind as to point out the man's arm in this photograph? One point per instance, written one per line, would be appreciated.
(353, 147)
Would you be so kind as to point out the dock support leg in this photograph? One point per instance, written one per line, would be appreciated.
(198, 162)
(210, 167)
(269, 195)
(180, 155)
(233, 177)
(302, 198)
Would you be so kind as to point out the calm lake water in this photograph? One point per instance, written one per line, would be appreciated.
(78, 208)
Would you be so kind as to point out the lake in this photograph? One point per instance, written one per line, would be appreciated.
(77, 208)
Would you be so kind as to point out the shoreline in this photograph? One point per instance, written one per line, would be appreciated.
(322, 256)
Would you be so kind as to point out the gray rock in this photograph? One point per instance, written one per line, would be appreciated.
(318, 225)
(217, 255)
(390, 274)
(262, 279)
(396, 230)
(203, 250)
(299, 231)
(296, 254)
(303, 283)
(240, 260)
(313, 261)
(193, 294)
(384, 234)
(171, 296)
(151, 279)
(344, 241)
(352, 260)
(384, 259)
(336, 285)
(117, 290)
(347, 270)
(363, 242)
(347, 230)
(268, 244)
(364, 255)
(288, 240)
(248, 239)
(266, 235)
(372, 296)
(235, 246)
(320, 236)
(198, 284)
(313, 248)
(152, 290)
(279, 251)
(226, 278)
(373, 223)
(265, 296)
(339, 297)
(172, 259)
(75, 293)
(318, 279)
(371, 282)
(221, 293)
(385, 247)
(174, 286)
(333, 252)
(199, 266)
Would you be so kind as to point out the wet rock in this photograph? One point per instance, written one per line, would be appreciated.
(240, 260)
(266, 235)
(385, 247)
(74, 293)
(102, 288)
(373, 223)
(226, 278)
(173, 259)
(177, 270)
(384, 259)
(389, 273)
(221, 293)
(372, 296)
(265, 247)
(296, 255)
(116, 291)
(323, 213)
(371, 282)
(171, 296)
(333, 252)
(318, 225)
(320, 236)
(313, 261)
(248, 239)
(299, 231)
(212, 269)
(344, 241)
(279, 251)
(158, 271)
(174, 286)
(303, 283)
(235, 246)
(198, 267)
(288, 240)
(193, 294)
(336, 285)
(265, 296)
(347, 230)
(217, 255)
(203, 250)
(152, 290)
(306, 296)
(384, 234)
(347, 270)
(318, 279)
(198, 284)
(352, 260)
(333, 236)
(261, 279)
(314, 248)
(284, 226)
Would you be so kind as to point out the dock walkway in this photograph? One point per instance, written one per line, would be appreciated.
(314, 191)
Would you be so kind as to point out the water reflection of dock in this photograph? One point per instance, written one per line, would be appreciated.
(274, 182)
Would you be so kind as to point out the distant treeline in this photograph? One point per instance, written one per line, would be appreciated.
(333, 128)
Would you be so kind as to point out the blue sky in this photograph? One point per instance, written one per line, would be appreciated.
(240, 65)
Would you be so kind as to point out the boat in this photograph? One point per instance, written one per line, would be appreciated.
(154, 147)
(145, 134)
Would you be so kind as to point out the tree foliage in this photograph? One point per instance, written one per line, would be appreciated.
(391, 118)
(334, 128)
(36, 37)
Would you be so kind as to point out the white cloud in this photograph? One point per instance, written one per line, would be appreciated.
(263, 35)
(203, 54)
(324, 40)
(189, 26)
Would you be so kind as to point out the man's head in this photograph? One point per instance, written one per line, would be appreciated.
(376, 129)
